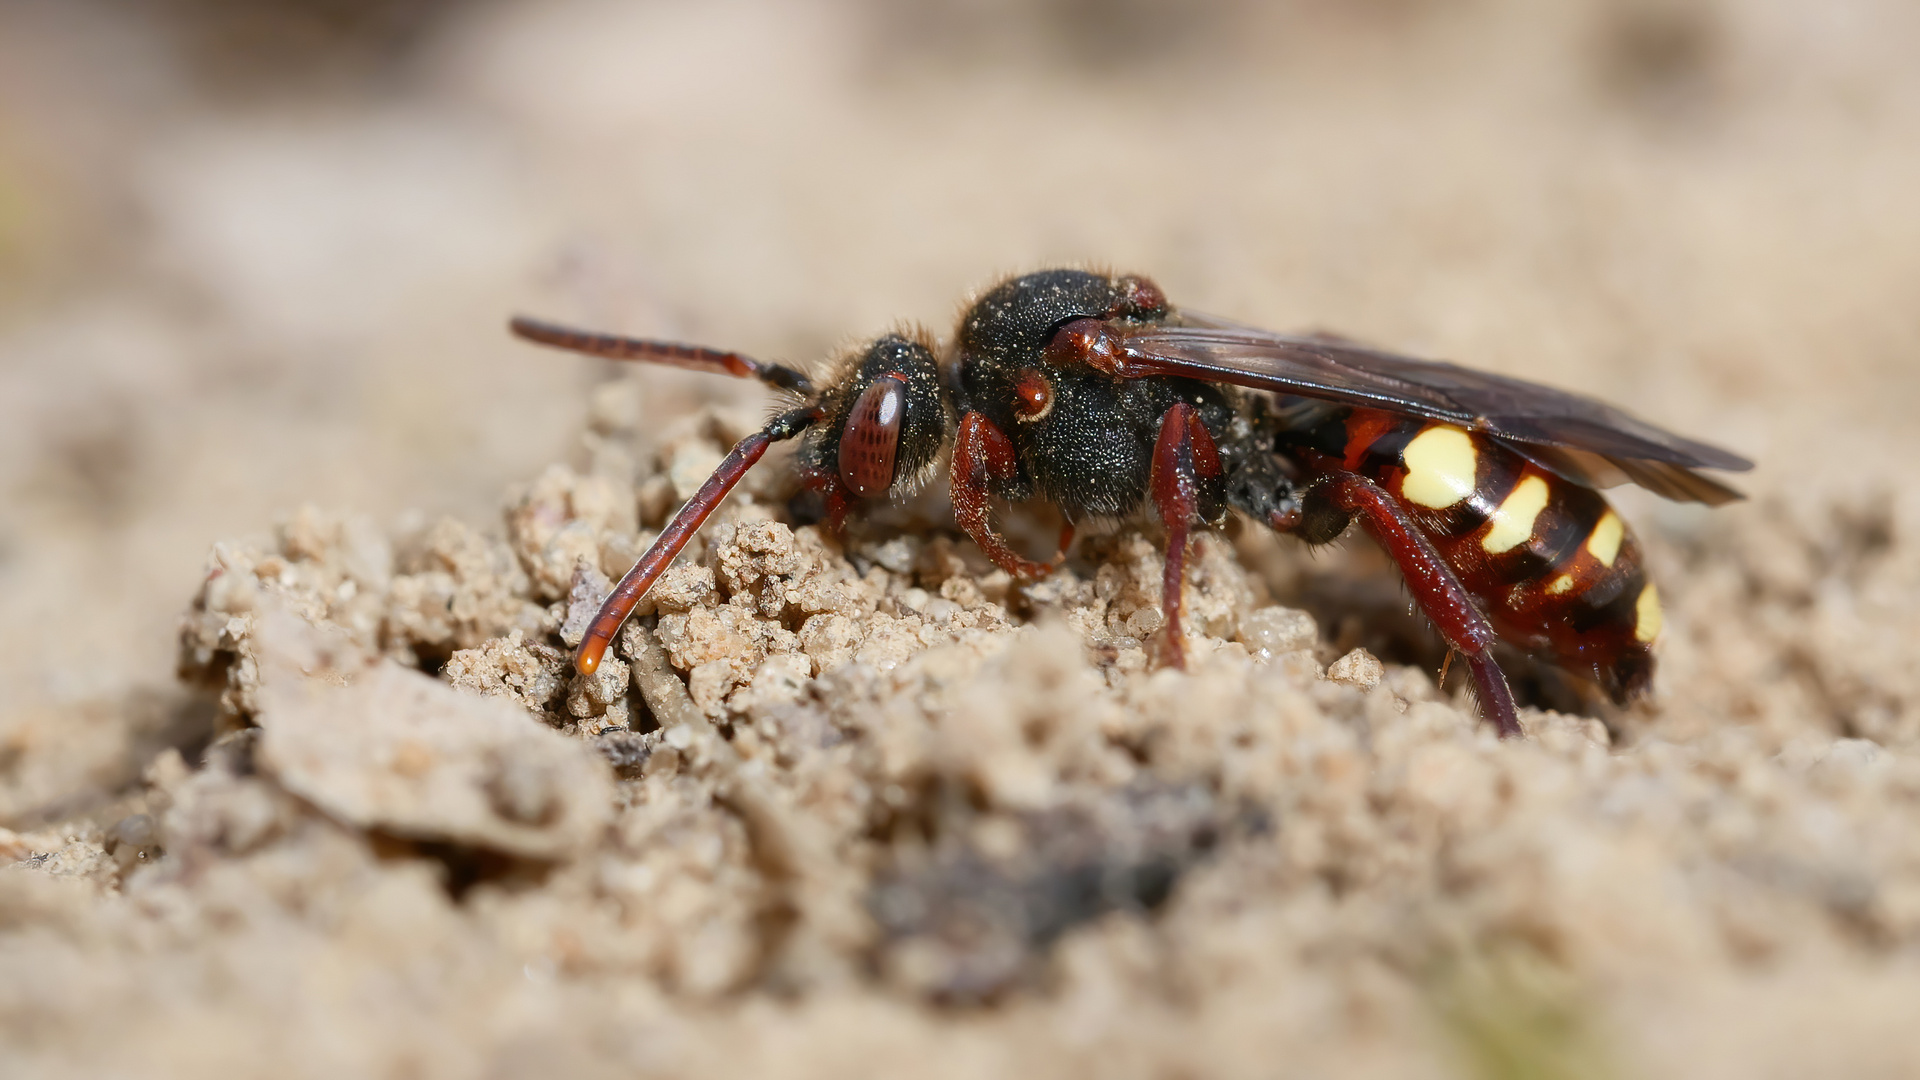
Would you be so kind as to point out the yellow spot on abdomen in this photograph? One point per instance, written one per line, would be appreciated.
(1646, 614)
(1560, 584)
(1513, 522)
(1604, 541)
(1441, 463)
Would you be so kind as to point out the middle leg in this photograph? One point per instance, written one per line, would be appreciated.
(1187, 487)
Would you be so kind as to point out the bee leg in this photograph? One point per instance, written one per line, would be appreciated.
(1187, 486)
(1337, 496)
(834, 495)
(982, 456)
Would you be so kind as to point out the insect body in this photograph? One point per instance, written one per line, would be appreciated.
(1094, 393)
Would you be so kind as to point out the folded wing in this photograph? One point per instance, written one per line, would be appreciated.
(1586, 441)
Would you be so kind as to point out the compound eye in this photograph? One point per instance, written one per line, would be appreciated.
(872, 436)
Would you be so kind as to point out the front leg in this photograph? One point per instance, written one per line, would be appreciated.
(1187, 487)
(1333, 501)
(982, 457)
(834, 495)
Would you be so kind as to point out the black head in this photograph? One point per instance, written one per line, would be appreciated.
(883, 420)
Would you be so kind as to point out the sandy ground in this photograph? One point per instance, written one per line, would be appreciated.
(293, 780)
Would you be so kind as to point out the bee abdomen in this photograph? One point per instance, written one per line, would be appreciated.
(1554, 567)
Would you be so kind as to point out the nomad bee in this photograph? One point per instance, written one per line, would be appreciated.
(1092, 392)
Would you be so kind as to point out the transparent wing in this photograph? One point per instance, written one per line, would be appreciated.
(1577, 437)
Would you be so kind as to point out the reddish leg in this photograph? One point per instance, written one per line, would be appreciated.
(1186, 474)
(834, 494)
(1434, 587)
(983, 454)
(686, 521)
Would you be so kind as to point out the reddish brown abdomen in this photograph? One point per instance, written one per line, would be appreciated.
(1554, 567)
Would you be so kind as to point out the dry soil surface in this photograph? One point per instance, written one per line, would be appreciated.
(295, 779)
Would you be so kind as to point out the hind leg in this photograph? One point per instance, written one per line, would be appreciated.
(1335, 499)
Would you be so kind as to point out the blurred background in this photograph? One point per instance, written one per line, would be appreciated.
(258, 253)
